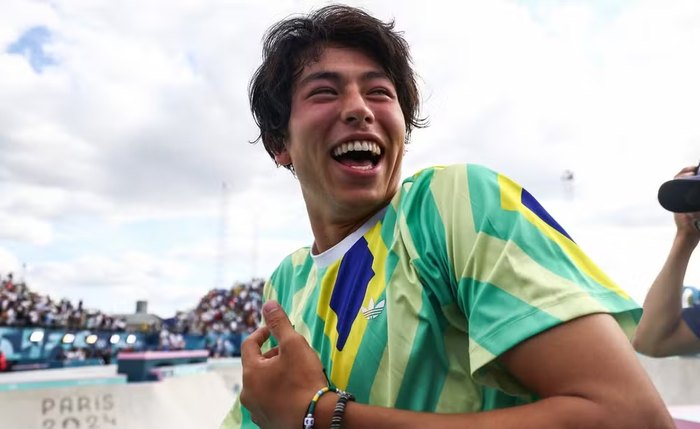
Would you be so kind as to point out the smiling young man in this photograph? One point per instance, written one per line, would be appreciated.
(449, 300)
(345, 141)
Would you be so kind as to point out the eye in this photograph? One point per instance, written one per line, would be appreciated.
(382, 91)
(324, 90)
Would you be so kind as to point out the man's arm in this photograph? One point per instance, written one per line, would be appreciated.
(662, 331)
(585, 371)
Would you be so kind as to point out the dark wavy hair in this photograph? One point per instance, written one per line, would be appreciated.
(293, 43)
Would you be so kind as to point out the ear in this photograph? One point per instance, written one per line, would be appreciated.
(282, 157)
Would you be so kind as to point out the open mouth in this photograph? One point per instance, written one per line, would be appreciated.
(359, 154)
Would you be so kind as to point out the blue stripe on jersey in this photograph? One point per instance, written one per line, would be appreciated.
(354, 274)
(531, 203)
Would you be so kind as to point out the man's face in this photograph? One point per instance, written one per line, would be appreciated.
(345, 136)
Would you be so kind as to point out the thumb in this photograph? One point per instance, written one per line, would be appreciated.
(277, 321)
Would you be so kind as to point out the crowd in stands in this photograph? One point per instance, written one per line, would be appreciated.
(224, 311)
(222, 316)
(220, 311)
(170, 340)
(19, 306)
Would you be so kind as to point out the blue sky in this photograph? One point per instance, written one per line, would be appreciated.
(31, 45)
(117, 131)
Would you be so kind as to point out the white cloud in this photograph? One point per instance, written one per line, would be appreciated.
(123, 280)
(22, 229)
(19, 15)
(145, 115)
(8, 263)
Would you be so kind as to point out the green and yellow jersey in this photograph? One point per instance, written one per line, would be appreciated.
(412, 309)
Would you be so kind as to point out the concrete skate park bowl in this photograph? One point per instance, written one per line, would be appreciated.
(676, 379)
(184, 396)
(199, 395)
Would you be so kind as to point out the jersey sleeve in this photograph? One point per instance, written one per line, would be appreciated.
(512, 270)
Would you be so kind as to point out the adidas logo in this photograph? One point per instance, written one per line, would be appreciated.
(373, 310)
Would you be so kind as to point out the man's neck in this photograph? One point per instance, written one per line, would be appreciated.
(328, 233)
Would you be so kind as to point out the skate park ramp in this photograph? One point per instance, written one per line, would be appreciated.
(676, 378)
(79, 399)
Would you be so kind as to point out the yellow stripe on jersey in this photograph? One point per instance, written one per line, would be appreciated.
(342, 361)
(510, 200)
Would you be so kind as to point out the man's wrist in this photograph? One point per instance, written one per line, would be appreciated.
(324, 410)
(685, 243)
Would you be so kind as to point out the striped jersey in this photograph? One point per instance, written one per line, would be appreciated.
(411, 310)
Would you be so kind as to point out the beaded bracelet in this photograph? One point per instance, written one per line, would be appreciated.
(309, 419)
(343, 398)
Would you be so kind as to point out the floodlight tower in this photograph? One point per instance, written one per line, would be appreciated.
(254, 250)
(222, 238)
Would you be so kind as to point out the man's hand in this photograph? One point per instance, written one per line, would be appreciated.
(688, 223)
(278, 385)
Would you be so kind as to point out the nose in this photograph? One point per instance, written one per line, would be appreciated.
(355, 109)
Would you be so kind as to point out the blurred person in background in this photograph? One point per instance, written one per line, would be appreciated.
(666, 328)
(3, 361)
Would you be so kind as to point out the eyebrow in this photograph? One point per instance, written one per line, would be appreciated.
(337, 78)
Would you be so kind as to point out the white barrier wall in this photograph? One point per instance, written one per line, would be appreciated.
(676, 378)
(187, 402)
(230, 370)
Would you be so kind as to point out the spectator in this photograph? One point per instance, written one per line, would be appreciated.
(222, 311)
(220, 315)
(666, 328)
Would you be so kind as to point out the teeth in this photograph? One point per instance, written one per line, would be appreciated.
(362, 167)
(366, 146)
